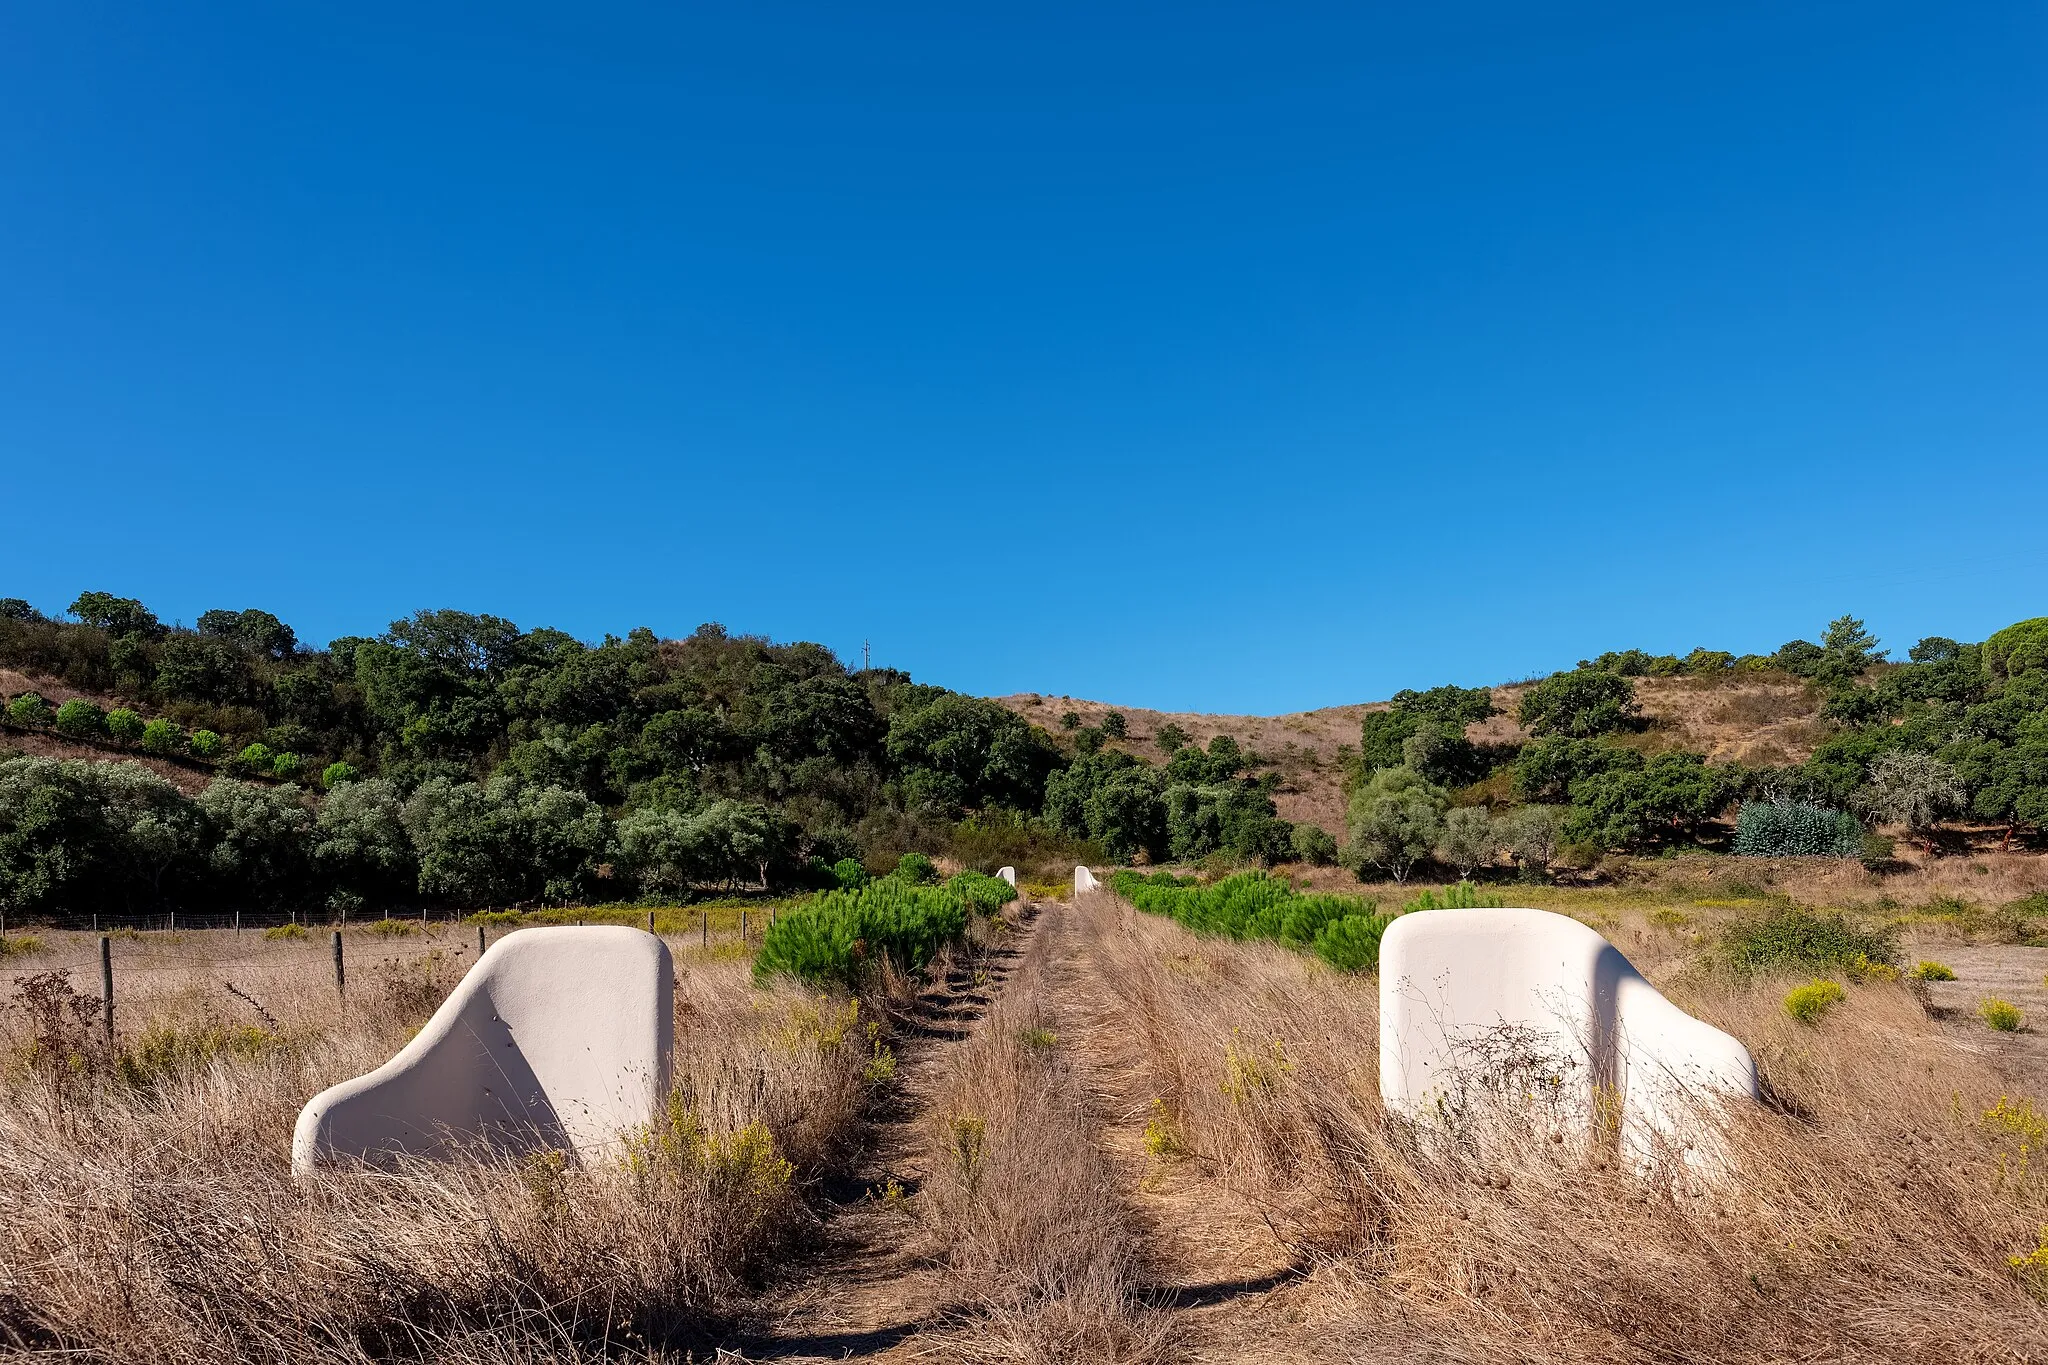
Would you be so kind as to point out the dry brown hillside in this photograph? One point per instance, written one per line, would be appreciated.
(1752, 717)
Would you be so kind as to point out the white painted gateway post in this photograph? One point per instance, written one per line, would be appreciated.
(1084, 880)
(1476, 1001)
(557, 1038)
(1008, 874)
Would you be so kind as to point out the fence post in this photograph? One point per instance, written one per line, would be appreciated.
(95, 921)
(172, 927)
(650, 921)
(238, 924)
(340, 979)
(743, 928)
(107, 988)
(707, 929)
(480, 945)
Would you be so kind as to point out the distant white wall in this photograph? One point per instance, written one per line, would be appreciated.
(556, 1038)
(1084, 880)
(1008, 874)
(1458, 985)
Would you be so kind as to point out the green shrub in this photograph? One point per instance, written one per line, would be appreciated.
(1790, 829)
(82, 719)
(1314, 844)
(1796, 937)
(2002, 1015)
(257, 758)
(917, 869)
(393, 928)
(278, 931)
(21, 945)
(1877, 851)
(1457, 896)
(1809, 1002)
(30, 709)
(1933, 971)
(1254, 905)
(848, 873)
(205, 743)
(286, 766)
(842, 935)
(1352, 944)
(163, 736)
(124, 725)
(339, 775)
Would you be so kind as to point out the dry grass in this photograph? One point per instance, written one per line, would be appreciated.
(1022, 1202)
(1876, 1224)
(147, 1210)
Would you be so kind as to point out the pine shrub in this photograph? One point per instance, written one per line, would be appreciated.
(842, 935)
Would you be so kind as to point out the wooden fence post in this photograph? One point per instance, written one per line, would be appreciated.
(107, 988)
(743, 928)
(707, 929)
(650, 921)
(480, 944)
(340, 978)
(238, 924)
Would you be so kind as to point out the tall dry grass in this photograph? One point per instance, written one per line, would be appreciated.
(1023, 1205)
(148, 1213)
(1872, 1216)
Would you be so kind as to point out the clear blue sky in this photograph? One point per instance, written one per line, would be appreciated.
(1224, 358)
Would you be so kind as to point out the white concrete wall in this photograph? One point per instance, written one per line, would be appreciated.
(1008, 874)
(1456, 984)
(1084, 880)
(557, 1037)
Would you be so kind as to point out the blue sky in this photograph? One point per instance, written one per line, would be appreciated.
(1245, 358)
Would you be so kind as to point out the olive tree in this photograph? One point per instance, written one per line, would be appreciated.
(1913, 789)
(1396, 821)
(1468, 839)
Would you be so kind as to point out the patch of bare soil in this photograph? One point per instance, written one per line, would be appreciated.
(2002, 971)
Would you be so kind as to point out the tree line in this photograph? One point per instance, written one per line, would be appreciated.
(459, 759)
(1955, 731)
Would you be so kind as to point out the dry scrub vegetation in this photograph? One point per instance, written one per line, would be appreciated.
(1874, 1213)
(147, 1210)
(1123, 1143)
(1022, 1203)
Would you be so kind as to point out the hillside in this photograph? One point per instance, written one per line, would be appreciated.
(1753, 718)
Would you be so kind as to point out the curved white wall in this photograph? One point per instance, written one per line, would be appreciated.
(1008, 874)
(1084, 880)
(1456, 984)
(556, 1038)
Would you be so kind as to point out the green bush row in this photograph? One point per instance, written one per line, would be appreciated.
(1342, 930)
(83, 720)
(841, 935)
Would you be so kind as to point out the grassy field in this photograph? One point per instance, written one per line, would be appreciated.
(149, 1212)
(1094, 1136)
